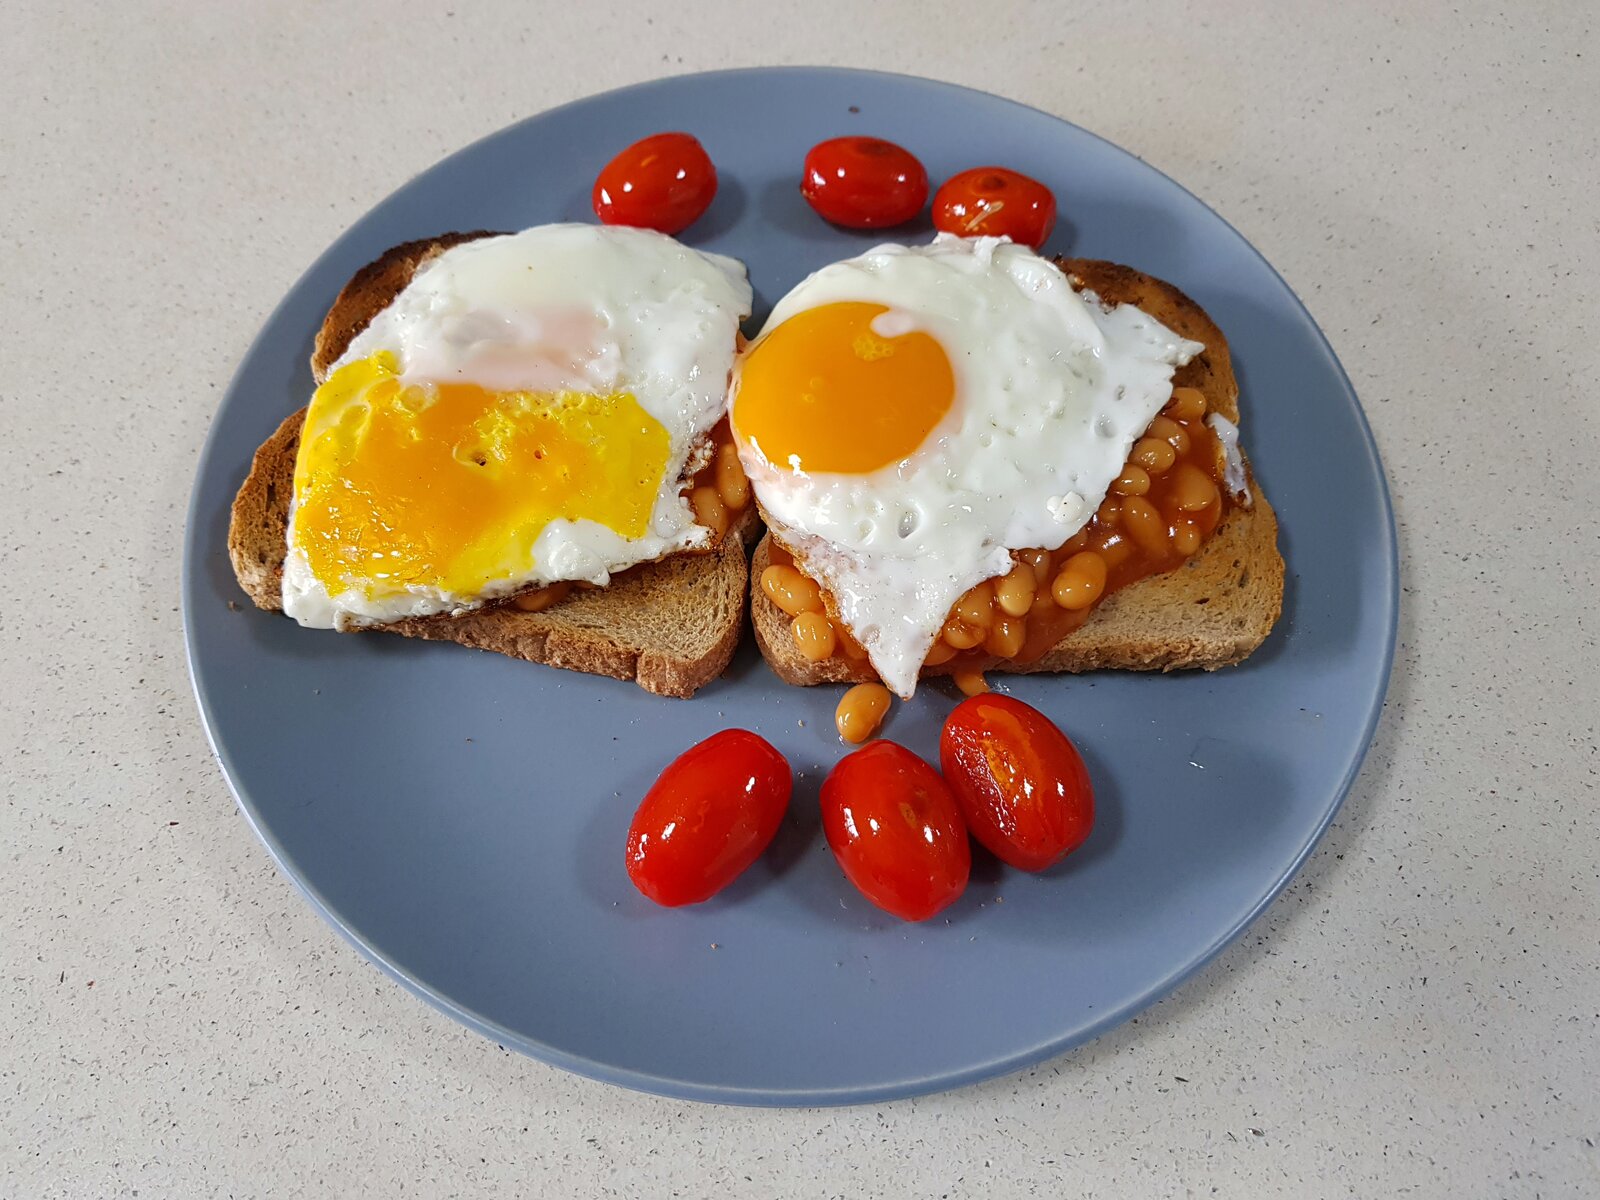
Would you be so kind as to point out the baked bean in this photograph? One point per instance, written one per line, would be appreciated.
(1185, 537)
(1110, 512)
(1078, 541)
(709, 510)
(848, 646)
(1134, 481)
(959, 635)
(1145, 525)
(1171, 432)
(791, 590)
(861, 710)
(1153, 454)
(813, 633)
(1192, 489)
(942, 652)
(732, 486)
(971, 683)
(976, 608)
(1005, 637)
(1013, 592)
(1116, 552)
(1039, 560)
(542, 599)
(1081, 580)
(1187, 404)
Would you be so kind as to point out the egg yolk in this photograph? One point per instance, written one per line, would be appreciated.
(826, 389)
(450, 485)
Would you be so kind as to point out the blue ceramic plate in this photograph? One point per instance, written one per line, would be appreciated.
(460, 816)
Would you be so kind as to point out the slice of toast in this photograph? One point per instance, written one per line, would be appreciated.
(669, 626)
(1211, 612)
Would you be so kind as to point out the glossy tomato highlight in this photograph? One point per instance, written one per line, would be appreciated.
(1019, 780)
(708, 817)
(864, 182)
(662, 182)
(995, 202)
(896, 831)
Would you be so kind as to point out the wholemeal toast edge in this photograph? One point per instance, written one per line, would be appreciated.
(1212, 612)
(671, 626)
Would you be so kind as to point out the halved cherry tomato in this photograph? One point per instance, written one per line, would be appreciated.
(663, 182)
(710, 815)
(1021, 783)
(995, 202)
(896, 831)
(864, 182)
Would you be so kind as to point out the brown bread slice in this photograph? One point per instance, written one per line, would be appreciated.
(1211, 612)
(670, 626)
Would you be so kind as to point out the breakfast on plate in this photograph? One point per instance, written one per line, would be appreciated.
(517, 443)
(971, 457)
(968, 457)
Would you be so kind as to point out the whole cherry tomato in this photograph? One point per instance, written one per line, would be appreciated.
(663, 182)
(864, 182)
(995, 202)
(710, 815)
(896, 831)
(1020, 782)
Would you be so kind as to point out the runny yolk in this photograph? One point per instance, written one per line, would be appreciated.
(826, 389)
(450, 485)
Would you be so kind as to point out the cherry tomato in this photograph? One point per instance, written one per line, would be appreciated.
(708, 817)
(896, 831)
(1021, 784)
(995, 202)
(663, 182)
(864, 182)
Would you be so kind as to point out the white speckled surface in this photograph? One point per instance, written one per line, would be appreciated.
(1418, 1015)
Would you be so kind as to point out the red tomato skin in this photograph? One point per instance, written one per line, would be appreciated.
(864, 182)
(995, 202)
(708, 817)
(1019, 780)
(662, 182)
(896, 831)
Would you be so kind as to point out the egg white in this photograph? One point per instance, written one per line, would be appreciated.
(1051, 391)
(582, 308)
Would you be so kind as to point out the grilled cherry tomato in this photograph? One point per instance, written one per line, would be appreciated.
(896, 831)
(1021, 784)
(708, 817)
(663, 182)
(995, 202)
(864, 182)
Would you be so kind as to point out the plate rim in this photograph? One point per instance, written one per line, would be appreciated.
(770, 1096)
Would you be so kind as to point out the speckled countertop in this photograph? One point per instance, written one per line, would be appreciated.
(1418, 1015)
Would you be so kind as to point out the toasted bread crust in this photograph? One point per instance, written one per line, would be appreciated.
(258, 527)
(1211, 612)
(670, 626)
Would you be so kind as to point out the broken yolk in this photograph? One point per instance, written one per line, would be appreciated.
(826, 392)
(450, 485)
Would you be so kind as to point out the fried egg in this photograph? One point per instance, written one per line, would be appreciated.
(910, 416)
(523, 413)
